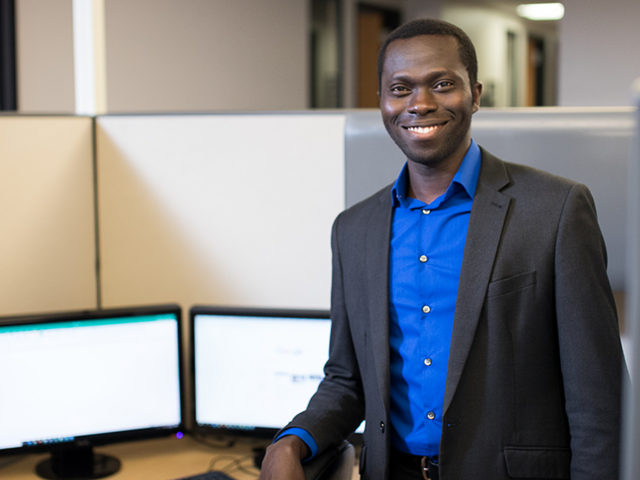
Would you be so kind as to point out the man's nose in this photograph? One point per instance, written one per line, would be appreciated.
(422, 102)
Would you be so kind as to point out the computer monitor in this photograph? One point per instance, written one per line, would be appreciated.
(255, 369)
(71, 381)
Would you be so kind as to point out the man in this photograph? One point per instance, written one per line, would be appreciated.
(473, 322)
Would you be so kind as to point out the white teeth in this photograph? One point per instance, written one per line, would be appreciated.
(423, 129)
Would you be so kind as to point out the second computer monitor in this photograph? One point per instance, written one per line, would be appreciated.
(254, 369)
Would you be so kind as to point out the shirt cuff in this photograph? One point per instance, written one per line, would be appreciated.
(305, 437)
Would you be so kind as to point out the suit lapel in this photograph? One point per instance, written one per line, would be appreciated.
(377, 249)
(486, 222)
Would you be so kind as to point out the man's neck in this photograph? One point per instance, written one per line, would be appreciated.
(428, 183)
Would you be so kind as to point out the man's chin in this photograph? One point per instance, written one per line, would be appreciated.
(430, 161)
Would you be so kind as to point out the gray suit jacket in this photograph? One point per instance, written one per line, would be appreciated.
(534, 375)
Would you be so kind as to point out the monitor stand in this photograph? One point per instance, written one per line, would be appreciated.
(78, 463)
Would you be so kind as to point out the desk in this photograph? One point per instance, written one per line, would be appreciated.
(161, 459)
(158, 459)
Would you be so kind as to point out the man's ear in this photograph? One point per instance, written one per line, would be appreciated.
(477, 93)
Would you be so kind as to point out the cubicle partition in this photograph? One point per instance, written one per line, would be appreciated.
(47, 242)
(236, 209)
(589, 145)
(228, 209)
(631, 432)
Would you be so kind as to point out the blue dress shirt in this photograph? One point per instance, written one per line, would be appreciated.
(425, 258)
(427, 245)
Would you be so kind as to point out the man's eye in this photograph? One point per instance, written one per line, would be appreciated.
(399, 89)
(444, 84)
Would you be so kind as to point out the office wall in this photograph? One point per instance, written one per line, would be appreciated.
(219, 209)
(184, 55)
(197, 55)
(599, 58)
(171, 55)
(47, 245)
(488, 31)
(44, 56)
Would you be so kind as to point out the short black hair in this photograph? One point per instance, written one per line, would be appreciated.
(430, 26)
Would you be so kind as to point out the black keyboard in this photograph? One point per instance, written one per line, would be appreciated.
(212, 475)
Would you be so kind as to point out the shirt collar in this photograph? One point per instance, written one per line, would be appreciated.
(466, 177)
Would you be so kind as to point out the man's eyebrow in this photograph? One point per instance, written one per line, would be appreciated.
(402, 76)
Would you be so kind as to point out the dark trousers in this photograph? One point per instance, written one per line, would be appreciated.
(404, 466)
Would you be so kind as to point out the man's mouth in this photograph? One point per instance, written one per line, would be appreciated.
(424, 130)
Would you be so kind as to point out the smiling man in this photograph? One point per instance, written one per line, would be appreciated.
(474, 327)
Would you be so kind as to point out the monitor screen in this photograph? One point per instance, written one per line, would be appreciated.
(255, 369)
(88, 378)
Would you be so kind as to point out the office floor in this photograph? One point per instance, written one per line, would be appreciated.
(162, 459)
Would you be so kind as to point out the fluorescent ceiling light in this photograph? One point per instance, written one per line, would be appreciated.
(541, 11)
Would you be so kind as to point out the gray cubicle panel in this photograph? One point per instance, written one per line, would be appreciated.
(47, 245)
(222, 209)
(631, 423)
(591, 146)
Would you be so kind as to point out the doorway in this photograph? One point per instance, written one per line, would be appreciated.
(374, 24)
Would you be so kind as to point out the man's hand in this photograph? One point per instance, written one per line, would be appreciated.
(283, 459)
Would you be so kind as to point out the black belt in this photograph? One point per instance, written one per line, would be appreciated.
(428, 466)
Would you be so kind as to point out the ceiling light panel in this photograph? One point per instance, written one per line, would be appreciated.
(541, 11)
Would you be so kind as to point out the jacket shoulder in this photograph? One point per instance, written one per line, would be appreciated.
(361, 211)
(516, 178)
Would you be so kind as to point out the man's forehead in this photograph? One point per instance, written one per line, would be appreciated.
(428, 40)
(434, 47)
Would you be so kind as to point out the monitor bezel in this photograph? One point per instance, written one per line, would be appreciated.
(101, 439)
(258, 432)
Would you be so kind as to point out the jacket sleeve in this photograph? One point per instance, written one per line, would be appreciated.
(337, 408)
(590, 351)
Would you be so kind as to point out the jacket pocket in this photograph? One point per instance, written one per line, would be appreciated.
(506, 285)
(538, 462)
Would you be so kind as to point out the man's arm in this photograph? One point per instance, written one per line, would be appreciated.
(283, 459)
(337, 408)
(590, 351)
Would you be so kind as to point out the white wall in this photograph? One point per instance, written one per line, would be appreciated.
(44, 56)
(198, 55)
(599, 52)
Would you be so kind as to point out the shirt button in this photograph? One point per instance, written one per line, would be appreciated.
(426, 212)
(426, 309)
(382, 427)
(431, 415)
(423, 258)
(427, 361)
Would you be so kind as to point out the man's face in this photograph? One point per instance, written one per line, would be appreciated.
(426, 98)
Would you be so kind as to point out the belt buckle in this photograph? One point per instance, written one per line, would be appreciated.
(425, 468)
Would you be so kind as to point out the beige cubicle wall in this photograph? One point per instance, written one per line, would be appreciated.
(47, 244)
(218, 209)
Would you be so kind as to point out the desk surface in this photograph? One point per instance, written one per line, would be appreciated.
(159, 459)
(162, 459)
